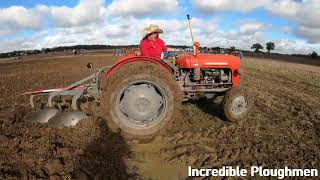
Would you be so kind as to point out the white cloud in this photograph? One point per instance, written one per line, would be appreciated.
(285, 29)
(295, 47)
(17, 44)
(125, 31)
(253, 27)
(309, 13)
(308, 19)
(86, 12)
(86, 24)
(282, 8)
(15, 18)
(228, 5)
(312, 34)
(304, 13)
(140, 8)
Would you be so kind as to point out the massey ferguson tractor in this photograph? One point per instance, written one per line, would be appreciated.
(142, 96)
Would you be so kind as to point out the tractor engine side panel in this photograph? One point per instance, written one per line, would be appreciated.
(196, 82)
(212, 61)
(206, 79)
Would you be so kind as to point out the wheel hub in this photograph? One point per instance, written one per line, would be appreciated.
(141, 103)
(239, 105)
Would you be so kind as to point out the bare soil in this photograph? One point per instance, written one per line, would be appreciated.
(283, 128)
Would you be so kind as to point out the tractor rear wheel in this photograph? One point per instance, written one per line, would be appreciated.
(141, 99)
(236, 105)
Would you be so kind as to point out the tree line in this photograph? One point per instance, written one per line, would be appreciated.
(257, 47)
(270, 46)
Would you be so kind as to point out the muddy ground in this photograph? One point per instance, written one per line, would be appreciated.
(282, 130)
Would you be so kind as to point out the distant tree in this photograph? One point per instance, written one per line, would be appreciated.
(257, 47)
(232, 48)
(314, 55)
(270, 46)
(45, 50)
(36, 51)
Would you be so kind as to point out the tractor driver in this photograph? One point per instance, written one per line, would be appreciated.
(151, 45)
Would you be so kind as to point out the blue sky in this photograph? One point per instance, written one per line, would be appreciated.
(30, 24)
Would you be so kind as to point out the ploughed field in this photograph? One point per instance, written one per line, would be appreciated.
(283, 128)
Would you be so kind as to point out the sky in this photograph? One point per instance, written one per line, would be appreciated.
(293, 25)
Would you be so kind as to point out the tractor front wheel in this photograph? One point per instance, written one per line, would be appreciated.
(141, 99)
(236, 105)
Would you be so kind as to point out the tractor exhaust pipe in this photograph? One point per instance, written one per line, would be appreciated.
(190, 27)
(195, 44)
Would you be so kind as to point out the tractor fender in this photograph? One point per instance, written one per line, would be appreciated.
(132, 59)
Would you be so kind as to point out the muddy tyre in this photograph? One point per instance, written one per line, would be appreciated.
(236, 105)
(141, 99)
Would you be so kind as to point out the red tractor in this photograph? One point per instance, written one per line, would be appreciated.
(142, 96)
